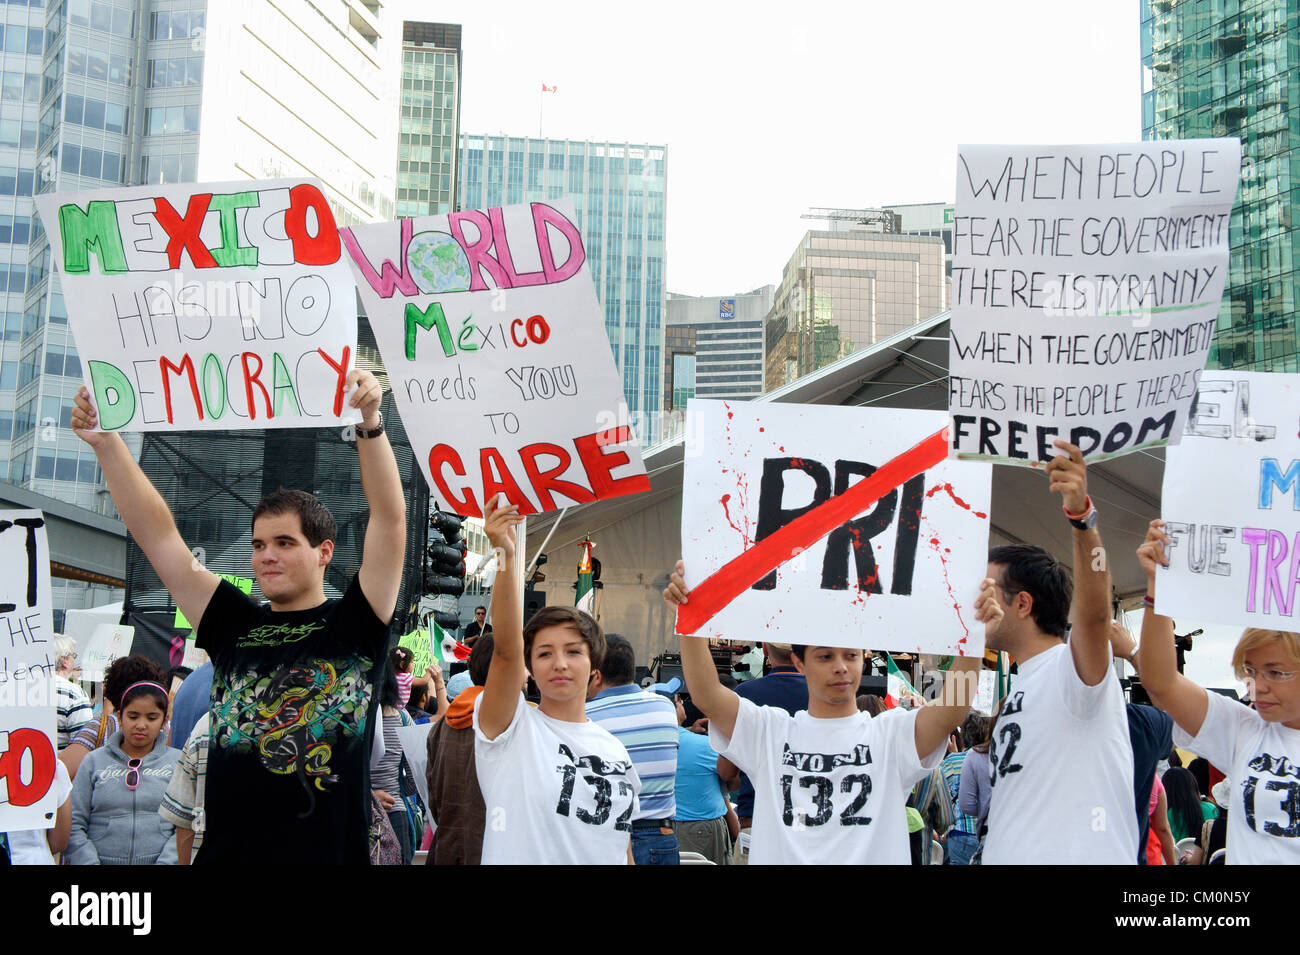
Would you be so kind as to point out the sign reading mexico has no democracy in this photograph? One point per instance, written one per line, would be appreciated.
(1085, 288)
(225, 305)
(496, 350)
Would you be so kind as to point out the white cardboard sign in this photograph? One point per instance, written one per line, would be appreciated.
(777, 485)
(215, 306)
(1086, 284)
(496, 351)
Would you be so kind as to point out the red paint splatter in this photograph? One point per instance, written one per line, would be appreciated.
(959, 502)
(762, 429)
(956, 604)
(742, 531)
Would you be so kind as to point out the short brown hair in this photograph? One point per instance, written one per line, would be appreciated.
(317, 522)
(573, 618)
(1254, 637)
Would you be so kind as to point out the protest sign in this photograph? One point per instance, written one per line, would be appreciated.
(1231, 503)
(496, 351)
(418, 642)
(107, 643)
(831, 526)
(245, 585)
(27, 694)
(224, 305)
(1085, 289)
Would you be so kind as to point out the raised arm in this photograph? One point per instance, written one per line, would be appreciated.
(146, 515)
(1178, 696)
(509, 668)
(715, 701)
(385, 544)
(936, 720)
(1090, 634)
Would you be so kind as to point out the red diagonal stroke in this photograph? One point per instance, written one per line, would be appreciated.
(732, 579)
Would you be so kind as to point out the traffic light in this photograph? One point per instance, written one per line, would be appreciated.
(445, 577)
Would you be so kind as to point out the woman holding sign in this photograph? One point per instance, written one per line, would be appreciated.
(1258, 748)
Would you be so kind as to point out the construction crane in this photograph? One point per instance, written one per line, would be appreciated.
(889, 222)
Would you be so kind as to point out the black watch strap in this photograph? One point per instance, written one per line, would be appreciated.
(374, 432)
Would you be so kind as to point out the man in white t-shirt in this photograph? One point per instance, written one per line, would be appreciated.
(1258, 748)
(830, 782)
(1060, 755)
(557, 787)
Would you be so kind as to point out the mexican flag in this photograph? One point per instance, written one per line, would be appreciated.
(897, 685)
(446, 648)
(586, 599)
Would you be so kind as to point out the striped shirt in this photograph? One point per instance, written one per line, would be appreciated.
(646, 725)
(74, 708)
(951, 769)
(182, 804)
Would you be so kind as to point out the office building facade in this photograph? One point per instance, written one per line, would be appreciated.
(713, 346)
(429, 144)
(845, 290)
(618, 192)
(1232, 68)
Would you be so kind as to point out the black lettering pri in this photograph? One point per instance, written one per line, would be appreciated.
(856, 535)
(31, 523)
(909, 533)
(771, 493)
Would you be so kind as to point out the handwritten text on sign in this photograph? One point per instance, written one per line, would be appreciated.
(1085, 288)
(27, 664)
(495, 346)
(1231, 503)
(831, 526)
(217, 306)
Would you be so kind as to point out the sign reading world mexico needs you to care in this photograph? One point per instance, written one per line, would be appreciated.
(224, 305)
(27, 694)
(831, 526)
(1231, 505)
(496, 352)
(1086, 284)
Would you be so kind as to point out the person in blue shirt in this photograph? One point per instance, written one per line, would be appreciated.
(702, 825)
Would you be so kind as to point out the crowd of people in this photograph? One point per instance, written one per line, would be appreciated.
(290, 744)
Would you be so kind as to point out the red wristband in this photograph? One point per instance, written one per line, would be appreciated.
(1149, 600)
(1080, 516)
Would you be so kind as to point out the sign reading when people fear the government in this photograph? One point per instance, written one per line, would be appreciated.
(224, 305)
(1086, 284)
(1231, 505)
(27, 665)
(496, 350)
(831, 526)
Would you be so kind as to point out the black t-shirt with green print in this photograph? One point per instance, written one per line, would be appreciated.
(293, 709)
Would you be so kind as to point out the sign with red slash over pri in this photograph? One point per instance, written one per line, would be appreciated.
(831, 526)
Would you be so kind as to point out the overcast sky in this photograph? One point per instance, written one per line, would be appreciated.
(768, 109)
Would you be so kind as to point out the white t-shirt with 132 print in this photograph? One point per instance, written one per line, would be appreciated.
(827, 791)
(1061, 766)
(1262, 760)
(556, 793)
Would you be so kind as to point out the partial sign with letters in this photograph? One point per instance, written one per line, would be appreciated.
(1086, 284)
(218, 306)
(1231, 505)
(831, 526)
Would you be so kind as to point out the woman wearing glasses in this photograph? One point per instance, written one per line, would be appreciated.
(1259, 748)
(118, 787)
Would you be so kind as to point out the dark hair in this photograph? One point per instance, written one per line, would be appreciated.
(870, 703)
(480, 607)
(175, 672)
(480, 659)
(619, 666)
(1175, 759)
(316, 520)
(1032, 570)
(401, 658)
(1184, 800)
(799, 649)
(1200, 770)
(572, 617)
(388, 690)
(123, 672)
(975, 729)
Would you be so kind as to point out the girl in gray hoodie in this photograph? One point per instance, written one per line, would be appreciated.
(118, 787)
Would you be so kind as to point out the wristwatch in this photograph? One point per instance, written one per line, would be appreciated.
(1085, 521)
(374, 432)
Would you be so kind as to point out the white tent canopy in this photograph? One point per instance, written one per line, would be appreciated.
(638, 537)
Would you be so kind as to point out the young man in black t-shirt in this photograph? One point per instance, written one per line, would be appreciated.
(293, 693)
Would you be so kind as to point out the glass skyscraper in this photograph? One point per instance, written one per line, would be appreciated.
(430, 124)
(1232, 68)
(618, 192)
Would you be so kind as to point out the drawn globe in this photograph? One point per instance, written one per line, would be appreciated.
(438, 263)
